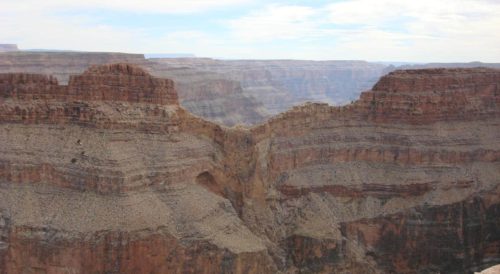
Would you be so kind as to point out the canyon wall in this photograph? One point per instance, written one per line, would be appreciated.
(404, 180)
(60, 64)
(203, 93)
(212, 95)
(281, 84)
(109, 174)
(106, 180)
(228, 92)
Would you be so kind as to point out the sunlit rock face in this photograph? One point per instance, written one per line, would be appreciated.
(109, 174)
(491, 270)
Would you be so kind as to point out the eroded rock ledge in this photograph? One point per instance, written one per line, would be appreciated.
(108, 174)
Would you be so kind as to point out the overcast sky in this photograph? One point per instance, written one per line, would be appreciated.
(374, 30)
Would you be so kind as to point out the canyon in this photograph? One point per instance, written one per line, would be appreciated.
(228, 92)
(281, 84)
(108, 173)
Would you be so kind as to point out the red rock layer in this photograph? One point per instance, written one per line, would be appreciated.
(28, 86)
(474, 94)
(411, 145)
(450, 238)
(122, 252)
(61, 64)
(380, 191)
(117, 82)
(423, 96)
(122, 82)
(437, 80)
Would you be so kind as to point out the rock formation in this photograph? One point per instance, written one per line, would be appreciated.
(110, 175)
(203, 93)
(451, 65)
(115, 188)
(61, 64)
(212, 96)
(223, 91)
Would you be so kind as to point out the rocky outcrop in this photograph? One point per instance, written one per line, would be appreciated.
(453, 238)
(119, 82)
(450, 65)
(228, 92)
(60, 64)
(110, 175)
(207, 94)
(419, 96)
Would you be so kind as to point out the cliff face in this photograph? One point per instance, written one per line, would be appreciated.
(60, 64)
(206, 94)
(212, 96)
(110, 175)
(107, 180)
(228, 92)
(119, 82)
(281, 84)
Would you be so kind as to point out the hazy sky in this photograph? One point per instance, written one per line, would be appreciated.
(375, 30)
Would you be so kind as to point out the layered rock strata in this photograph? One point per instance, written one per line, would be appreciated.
(206, 94)
(212, 96)
(104, 180)
(281, 84)
(110, 175)
(404, 180)
(61, 64)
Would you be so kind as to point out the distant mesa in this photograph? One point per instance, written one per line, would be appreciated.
(8, 47)
(169, 55)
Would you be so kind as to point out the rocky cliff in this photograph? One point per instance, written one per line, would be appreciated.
(211, 95)
(228, 92)
(110, 175)
(60, 64)
(404, 180)
(207, 94)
